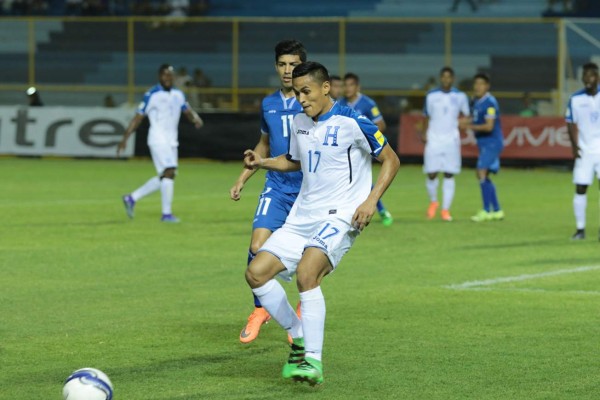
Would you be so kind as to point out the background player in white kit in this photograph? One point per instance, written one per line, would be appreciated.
(583, 123)
(163, 104)
(333, 146)
(443, 107)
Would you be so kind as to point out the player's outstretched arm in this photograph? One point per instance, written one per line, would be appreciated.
(390, 163)
(279, 163)
(133, 125)
(194, 118)
(262, 148)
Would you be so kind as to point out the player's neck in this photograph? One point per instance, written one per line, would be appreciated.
(287, 93)
(326, 108)
(592, 91)
(446, 90)
(353, 98)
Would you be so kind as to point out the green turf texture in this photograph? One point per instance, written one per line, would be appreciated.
(159, 307)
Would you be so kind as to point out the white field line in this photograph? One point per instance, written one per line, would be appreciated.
(530, 290)
(519, 278)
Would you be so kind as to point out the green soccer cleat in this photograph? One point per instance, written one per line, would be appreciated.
(481, 216)
(310, 370)
(386, 218)
(296, 357)
(497, 215)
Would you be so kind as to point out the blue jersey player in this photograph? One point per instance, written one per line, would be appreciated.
(281, 189)
(366, 106)
(485, 123)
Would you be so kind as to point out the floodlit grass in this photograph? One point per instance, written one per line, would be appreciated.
(159, 307)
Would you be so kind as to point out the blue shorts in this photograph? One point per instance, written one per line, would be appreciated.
(489, 155)
(273, 208)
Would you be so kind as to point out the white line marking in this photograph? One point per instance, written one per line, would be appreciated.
(530, 290)
(519, 278)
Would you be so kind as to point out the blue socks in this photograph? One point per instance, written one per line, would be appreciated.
(251, 256)
(488, 194)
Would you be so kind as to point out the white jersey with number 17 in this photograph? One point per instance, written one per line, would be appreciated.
(335, 156)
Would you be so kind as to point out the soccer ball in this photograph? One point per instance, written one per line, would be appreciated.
(88, 384)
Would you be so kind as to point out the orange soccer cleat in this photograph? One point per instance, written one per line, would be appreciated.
(258, 317)
(432, 209)
(445, 214)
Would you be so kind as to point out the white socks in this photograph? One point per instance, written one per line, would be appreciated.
(313, 322)
(167, 186)
(579, 206)
(147, 188)
(273, 298)
(448, 192)
(432, 187)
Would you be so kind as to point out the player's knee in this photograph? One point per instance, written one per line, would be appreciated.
(169, 173)
(432, 176)
(254, 280)
(448, 175)
(580, 189)
(306, 281)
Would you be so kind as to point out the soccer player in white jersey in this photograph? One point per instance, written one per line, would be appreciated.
(163, 105)
(583, 124)
(443, 107)
(333, 146)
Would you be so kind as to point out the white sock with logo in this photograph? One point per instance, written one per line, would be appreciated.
(151, 186)
(313, 321)
(432, 188)
(579, 206)
(273, 299)
(167, 187)
(448, 187)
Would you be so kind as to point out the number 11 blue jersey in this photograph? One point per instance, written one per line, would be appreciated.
(277, 115)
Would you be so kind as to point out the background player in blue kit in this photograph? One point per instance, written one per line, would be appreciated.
(281, 189)
(485, 123)
(366, 106)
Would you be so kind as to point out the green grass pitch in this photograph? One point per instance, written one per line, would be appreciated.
(418, 310)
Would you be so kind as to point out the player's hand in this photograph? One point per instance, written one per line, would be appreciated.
(463, 123)
(198, 123)
(235, 191)
(576, 152)
(252, 160)
(121, 147)
(363, 214)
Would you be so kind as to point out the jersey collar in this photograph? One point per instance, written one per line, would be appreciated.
(482, 98)
(355, 102)
(288, 102)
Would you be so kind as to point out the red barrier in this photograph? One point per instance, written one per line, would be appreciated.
(524, 138)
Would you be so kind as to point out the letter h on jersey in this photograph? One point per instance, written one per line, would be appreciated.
(333, 135)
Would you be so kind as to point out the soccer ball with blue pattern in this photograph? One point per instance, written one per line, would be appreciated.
(88, 384)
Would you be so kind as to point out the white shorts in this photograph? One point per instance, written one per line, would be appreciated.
(163, 156)
(585, 168)
(442, 158)
(334, 236)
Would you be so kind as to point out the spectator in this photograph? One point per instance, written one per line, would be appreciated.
(200, 80)
(529, 108)
(455, 4)
(33, 97)
(567, 5)
(178, 8)
(109, 102)
(182, 79)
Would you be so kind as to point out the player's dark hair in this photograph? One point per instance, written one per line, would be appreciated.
(448, 70)
(352, 76)
(290, 47)
(590, 66)
(317, 71)
(164, 67)
(483, 76)
(334, 78)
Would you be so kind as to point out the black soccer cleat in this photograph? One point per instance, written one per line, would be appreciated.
(578, 235)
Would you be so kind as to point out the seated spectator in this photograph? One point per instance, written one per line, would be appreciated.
(567, 5)
(529, 109)
(182, 79)
(178, 8)
(202, 81)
